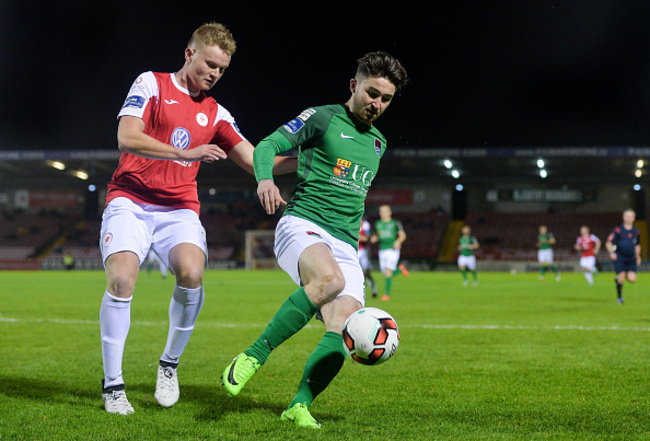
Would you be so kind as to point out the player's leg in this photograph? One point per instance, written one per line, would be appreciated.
(542, 264)
(115, 321)
(308, 259)
(371, 281)
(620, 269)
(326, 360)
(179, 242)
(472, 268)
(125, 240)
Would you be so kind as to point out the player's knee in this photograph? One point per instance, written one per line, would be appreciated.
(121, 285)
(327, 287)
(189, 277)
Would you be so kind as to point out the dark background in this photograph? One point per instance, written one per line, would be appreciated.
(509, 73)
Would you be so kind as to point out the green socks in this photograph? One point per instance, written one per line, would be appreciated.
(292, 316)
(322, 366)
(389, 284)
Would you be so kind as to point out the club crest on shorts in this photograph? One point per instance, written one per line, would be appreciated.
(313, 233)
(108, 237)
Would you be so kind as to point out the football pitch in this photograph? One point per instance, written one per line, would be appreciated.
(514, 358)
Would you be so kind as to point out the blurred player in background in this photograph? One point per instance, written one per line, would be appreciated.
(364, 255)
(467, 245)
(624, 249)
(316, 239)
(545, 242)
(389, 235)
(589, 245)
(167, 126)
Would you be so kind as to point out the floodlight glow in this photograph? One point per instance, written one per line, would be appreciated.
(637, 187)
(640, 163)
(455, 174)
(543, 173)
(448, 164)
(459, 187)
(57, 165)
(638, 173)
(92, 188)
(540, 163)
(81, 175)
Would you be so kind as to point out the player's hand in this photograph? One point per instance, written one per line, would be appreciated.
(612, 256)
(205, 153)
(269, 195)
(638, 260)
(397, 245)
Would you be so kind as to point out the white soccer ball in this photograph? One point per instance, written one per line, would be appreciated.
(370, 336)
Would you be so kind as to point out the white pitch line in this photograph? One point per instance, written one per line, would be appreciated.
(423, 326)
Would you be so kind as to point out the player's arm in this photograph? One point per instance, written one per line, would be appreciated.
(264, 156)
(242, 153)
(596, 246)
(637, 253)
(609, 246)
(475, 243)
(551, 239)
(132, 139)
(401, 237)
(578, 246)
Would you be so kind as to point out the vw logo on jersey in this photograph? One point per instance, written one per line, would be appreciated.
(180, 138)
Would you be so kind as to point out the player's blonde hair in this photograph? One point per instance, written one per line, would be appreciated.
(213, 34)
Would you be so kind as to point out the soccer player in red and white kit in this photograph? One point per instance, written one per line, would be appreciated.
(167, 126)
(364, 255)
(589, 245)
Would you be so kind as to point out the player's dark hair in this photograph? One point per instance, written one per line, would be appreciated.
(382, 64)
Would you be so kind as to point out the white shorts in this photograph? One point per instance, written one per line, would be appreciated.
(136, 227)
(364, 259)
(588, 262)
(388, 259)
(545, 256)
(468, 262)
(293, 235)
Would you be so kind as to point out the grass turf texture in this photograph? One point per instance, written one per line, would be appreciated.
(511, 359)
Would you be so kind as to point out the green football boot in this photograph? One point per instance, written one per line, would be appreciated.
(238, 372)
(299, 414)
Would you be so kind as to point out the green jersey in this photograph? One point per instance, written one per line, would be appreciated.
(338, 158)
(387, 233)
(543, 240)
(465, 242)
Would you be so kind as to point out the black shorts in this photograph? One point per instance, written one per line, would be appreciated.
(625, 264)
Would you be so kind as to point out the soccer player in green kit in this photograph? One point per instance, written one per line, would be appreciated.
(467, 244)
(545, 242)
(389, 237)
(317, 237)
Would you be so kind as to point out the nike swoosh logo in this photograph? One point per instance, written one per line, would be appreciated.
(171, 101)
(231, 377)
(344, 136)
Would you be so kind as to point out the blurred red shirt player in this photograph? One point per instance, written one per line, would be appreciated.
(589, 245)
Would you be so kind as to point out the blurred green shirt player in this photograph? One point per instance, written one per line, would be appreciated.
(545, 242)
(389, 235)
(317, 237)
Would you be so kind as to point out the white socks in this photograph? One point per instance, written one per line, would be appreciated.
(114, 322)
(184, 309)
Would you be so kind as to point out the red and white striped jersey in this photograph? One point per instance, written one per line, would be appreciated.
(587, 244)
(175, 116)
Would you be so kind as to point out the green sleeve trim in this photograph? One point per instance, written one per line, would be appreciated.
(265, 153)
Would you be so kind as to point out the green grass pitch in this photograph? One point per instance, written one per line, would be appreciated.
(513, 358)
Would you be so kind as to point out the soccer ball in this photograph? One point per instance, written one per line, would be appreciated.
(370, 336)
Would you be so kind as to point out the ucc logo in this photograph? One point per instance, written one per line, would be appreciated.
(180, 138)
